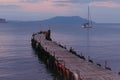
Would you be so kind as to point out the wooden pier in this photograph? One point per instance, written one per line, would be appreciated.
(67, 64)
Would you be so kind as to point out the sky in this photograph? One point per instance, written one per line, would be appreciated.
(102, 11)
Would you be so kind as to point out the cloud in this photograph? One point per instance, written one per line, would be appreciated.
(9, 6)
(63, 3)
(60, 5)
(84, 1)
(72, 1)
(105, 4)
(100, 3)
(31, 1)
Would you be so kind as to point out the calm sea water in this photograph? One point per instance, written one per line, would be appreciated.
(18, 60)
(104, 43)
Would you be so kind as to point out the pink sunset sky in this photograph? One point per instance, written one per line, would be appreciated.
(101, 10)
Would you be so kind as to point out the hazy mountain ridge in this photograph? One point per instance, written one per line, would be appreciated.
(2, 20)
(66, 20)
(61, 20)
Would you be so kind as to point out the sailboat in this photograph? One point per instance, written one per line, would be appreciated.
(89, 23)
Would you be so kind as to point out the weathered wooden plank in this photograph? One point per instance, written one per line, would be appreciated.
(86, 70)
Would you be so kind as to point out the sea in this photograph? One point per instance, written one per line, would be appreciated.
(18, 60)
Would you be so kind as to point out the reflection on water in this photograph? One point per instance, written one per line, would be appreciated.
(18, 61)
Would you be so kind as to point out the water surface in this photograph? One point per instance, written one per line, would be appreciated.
(18, 60)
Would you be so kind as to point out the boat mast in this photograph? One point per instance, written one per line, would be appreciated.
(89, 18)
(88, 33)
(88, 15)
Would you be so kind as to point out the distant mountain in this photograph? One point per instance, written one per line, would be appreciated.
(65, 20)
(2, 20)
(60, 21)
